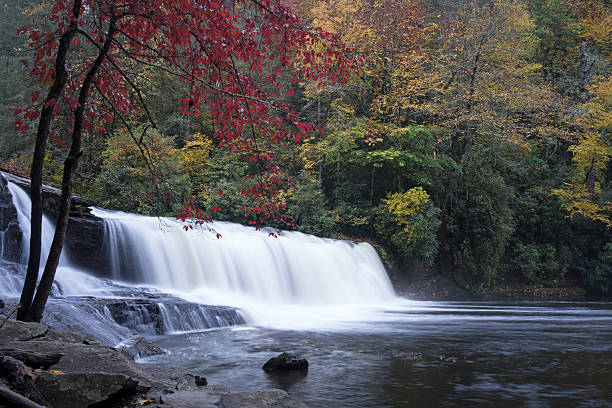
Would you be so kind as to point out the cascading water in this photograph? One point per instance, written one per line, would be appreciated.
(101, 308)
(295, 280)
(286, 279)
(69, 280)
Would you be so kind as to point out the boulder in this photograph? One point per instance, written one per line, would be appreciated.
(21, 331)
(285, 361)
(85, 389)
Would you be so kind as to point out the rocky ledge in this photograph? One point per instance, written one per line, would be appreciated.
(41, 366)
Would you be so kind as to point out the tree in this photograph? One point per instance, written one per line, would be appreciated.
(235, 58)
(591, 156)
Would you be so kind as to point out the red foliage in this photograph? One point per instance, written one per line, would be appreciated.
(237, 58)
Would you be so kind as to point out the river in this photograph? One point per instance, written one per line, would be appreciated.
(424, 354)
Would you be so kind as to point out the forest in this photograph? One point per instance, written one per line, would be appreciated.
(469, 140)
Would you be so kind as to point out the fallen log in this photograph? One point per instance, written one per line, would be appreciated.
(11, 399)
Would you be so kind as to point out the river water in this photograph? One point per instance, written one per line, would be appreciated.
(424, 354)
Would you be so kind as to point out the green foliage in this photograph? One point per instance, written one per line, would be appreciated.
(558, 34)
(540, 264)
(598, 277)
(415, 237)
(127, 181)
(308, 205)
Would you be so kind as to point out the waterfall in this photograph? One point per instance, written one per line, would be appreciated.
(287, 281)
(23, 204)
(294, 268)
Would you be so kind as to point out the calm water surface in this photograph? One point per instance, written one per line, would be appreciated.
(427, 354)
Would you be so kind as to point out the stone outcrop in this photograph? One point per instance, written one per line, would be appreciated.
(90, 374)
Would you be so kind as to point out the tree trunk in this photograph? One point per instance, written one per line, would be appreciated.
(42, 135)
(584, 72)
(70, 166)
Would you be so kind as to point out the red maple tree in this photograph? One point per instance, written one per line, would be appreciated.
(236, 56)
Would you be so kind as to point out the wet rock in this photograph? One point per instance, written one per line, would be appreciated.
(285, 361)
(21, 331)
(85, 389)
(192, 399)
(200, 381)
(137, 346)
(260, 399)
(86, 246)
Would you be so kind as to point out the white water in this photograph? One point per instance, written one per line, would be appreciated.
(68, 279)
(293, 281)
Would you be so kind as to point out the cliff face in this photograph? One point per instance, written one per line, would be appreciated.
(85, 236)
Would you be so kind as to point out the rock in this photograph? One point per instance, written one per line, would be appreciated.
(200, 381)
(86, 246)
(137, 346)
(85, 389)
(285, 361)
(21, 331)
(191, 399)
(88, 372)
(260, 399)
(31, 359)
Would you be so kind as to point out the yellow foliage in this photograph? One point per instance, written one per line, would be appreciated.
(193, 157)
(576, 199)
(591, 156)
(152, 148)
(403, 205)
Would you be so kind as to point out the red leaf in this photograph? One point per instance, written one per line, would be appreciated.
(50, 102)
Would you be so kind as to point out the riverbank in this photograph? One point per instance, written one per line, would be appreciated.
(441, 288)
(65, 369)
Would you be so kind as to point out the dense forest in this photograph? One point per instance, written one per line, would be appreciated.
(471, 140)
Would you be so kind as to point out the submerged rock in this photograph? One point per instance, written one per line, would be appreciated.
(137, 346)
(261, 399)
(285, 361)
(200, 381)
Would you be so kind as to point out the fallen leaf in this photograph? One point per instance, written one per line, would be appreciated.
(144, 401)
(56, 372)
